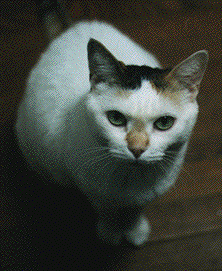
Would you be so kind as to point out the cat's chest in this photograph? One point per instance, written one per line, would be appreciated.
(114, 177)
(114, 182)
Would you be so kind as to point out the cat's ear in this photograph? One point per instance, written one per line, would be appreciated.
(189, 72)
(103, 66)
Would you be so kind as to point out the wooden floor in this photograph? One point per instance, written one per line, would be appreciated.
(46, 227)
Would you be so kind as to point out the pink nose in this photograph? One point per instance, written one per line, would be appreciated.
(137, 152)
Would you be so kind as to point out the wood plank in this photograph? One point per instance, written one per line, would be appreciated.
(197, 179)
(199, 252)
(182, 218)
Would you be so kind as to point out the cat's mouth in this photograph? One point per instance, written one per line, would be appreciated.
(166, 158)
(138, 161)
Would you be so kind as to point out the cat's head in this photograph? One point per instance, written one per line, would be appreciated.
(142, 111)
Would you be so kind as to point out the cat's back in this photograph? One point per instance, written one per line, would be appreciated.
(118, 43)
(62, 73)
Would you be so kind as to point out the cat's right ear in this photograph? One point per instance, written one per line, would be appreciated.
(103, 66)
(189, 73)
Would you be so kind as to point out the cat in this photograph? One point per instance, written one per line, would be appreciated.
(101, 114)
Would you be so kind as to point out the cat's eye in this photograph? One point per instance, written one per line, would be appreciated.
(164, 123)
(116, 118)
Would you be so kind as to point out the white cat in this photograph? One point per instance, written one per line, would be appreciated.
(91, 117)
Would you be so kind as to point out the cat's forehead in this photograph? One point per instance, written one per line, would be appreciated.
(143, 100)
(146, 101)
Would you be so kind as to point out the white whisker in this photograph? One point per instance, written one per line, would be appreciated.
(169, 158)
(96, 159)
(91, 150)
(162, 167)
(102, 159)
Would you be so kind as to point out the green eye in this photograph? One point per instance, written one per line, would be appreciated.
(116, 118)
(164, 123)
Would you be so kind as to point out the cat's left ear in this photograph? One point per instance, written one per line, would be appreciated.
(103, 66)
(189, 73)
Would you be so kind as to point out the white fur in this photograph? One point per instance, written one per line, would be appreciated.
(139, 234)
(56, 132)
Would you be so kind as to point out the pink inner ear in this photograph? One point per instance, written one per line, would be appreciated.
(190, 72)
(190, 81)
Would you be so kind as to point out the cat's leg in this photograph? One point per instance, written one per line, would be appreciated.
(108, 233)
(139, 233)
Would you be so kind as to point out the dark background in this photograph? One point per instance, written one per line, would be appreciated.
(44, 227)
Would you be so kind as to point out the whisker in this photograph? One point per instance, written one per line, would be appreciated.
(95, 160)
(171, 153)
(183, 170)
(156, 167)
(91, 150)
(164, 170)
(168, 160)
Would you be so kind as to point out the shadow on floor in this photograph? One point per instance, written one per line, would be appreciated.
(47, 226)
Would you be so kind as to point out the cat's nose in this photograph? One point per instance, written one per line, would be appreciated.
(137, 152)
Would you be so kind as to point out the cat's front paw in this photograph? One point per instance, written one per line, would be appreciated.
(139, 234)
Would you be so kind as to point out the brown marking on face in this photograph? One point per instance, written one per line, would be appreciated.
(122, 93)
(175, 97)
(173, 91)
(137, 139)
(173, 84)
(193, 93)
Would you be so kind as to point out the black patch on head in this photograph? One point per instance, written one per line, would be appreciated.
(133, 76)
(104, 67)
